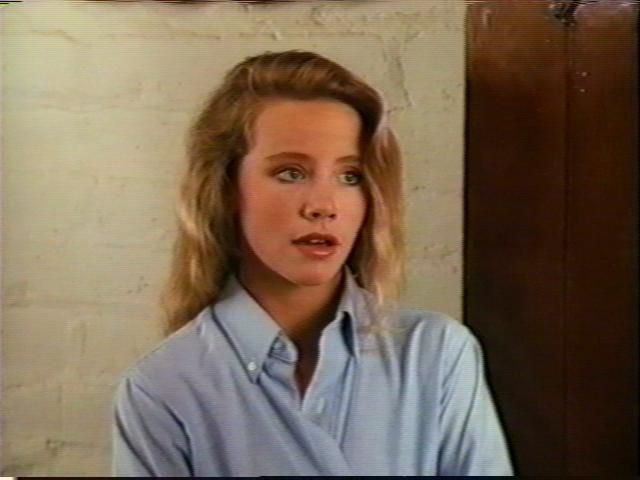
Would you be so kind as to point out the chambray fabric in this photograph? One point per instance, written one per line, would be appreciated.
(218, 398)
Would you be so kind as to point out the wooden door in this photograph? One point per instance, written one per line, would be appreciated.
(551, 227)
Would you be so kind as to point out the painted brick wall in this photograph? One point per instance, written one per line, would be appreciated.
(97, 97)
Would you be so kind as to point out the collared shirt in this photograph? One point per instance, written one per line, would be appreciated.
(219, 398)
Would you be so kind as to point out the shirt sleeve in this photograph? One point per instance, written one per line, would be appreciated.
(472, 440)
(148, 439)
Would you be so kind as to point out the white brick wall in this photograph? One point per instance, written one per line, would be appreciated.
(97, 97)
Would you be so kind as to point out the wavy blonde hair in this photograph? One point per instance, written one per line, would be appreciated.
(205, 251)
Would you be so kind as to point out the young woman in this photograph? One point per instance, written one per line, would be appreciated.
(287, 353)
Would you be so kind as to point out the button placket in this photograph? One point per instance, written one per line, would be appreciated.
(279, 350)
(316, 412)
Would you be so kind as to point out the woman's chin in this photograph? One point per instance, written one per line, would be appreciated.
(313, 277)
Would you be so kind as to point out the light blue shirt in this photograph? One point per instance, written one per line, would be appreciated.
(219, 398)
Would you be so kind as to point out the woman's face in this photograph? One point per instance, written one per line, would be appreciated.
(302, 175)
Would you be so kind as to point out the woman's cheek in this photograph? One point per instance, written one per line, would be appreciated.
(275, 205)
(355, 206)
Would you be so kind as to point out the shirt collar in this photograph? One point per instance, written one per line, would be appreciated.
(253, 332)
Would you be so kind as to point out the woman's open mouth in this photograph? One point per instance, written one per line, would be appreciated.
(316, 251)
(317, 245)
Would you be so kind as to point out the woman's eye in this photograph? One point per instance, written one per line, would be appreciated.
(353, 178)
(290, 175)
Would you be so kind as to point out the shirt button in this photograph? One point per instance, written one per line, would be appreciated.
(251, 366)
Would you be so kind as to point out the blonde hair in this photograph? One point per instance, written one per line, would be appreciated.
(205, 252)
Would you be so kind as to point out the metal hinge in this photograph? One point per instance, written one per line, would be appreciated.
(565, 10)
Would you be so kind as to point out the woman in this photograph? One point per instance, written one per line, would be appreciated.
(286, 352)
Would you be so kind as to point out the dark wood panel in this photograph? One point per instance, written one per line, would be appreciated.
(551, 228)
(602, 240)
(515, 217)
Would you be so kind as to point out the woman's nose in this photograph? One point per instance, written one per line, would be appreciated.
(315, 213)
(320, 203)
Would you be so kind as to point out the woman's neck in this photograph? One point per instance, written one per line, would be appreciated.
(301, 311)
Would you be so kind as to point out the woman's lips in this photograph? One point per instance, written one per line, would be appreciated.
(316, 252)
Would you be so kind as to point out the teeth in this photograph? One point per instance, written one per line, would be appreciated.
(315, 242)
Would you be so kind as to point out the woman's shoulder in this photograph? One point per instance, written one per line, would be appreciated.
(425, 342)
(432, 323)
(170, 357)
(432, 332)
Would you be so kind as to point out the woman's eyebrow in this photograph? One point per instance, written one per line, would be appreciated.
(306, 158)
